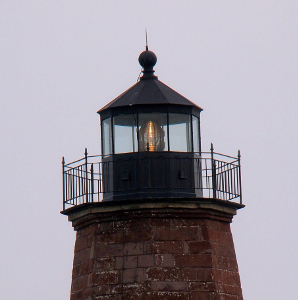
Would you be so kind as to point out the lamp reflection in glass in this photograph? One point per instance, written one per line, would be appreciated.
(151, 137)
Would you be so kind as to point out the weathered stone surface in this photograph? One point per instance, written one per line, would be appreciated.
(155, 253)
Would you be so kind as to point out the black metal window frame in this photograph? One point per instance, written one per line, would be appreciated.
(136, 119)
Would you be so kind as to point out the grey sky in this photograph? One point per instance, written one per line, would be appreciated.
(60, 61)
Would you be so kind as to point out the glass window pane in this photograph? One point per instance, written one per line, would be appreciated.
(180, 133)
(153, 132)
(106, 136)
(196, 137)
(125, 134)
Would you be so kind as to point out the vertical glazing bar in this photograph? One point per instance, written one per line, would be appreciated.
(100, 176)
(191, 130)
(200, 147)
(101, 137)
(168, 132)
(112, 135)
(168, 178)
(133, 132)
(138, 132)
(86, 174)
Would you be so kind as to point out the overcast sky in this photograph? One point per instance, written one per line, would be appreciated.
(61, 61)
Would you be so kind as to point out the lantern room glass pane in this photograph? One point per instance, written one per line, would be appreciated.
(195, 132)
(106, 137)
(125, 134)
(152, 132)
(180, 132)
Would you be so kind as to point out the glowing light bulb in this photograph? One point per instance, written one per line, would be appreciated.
(151, 137)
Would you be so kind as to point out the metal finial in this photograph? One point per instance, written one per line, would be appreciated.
(146, 39)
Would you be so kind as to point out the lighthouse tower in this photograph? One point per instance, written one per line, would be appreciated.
(152, 213)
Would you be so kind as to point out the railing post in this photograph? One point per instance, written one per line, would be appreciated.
(213, 172)
(240, 187)
(92, 183)
(86, 169)
(63, 181)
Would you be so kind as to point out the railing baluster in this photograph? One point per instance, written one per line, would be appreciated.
(63, 181)
(234, 179)
(92, 186)
(239, 172)
(86, 174)
(213, 172)
(72, 185)
(76, 183)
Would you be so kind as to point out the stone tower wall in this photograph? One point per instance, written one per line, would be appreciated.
(156, 253)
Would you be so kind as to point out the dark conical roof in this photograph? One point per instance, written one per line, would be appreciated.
(149, 90)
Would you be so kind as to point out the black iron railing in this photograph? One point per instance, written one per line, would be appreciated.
(83, 179)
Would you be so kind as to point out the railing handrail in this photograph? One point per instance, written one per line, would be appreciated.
(200, 154)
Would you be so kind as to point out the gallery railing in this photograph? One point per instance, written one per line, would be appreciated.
(83, 179)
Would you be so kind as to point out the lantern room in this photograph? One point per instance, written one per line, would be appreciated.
(151, 151)
(150, 137)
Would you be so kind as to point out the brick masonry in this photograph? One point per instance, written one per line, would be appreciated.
(154, 253)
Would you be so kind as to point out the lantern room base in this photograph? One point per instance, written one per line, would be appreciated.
(152, 175)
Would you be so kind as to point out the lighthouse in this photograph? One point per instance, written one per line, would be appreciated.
(152, 212)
